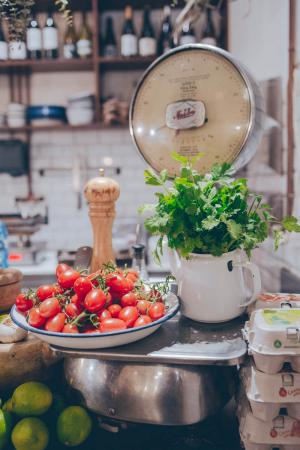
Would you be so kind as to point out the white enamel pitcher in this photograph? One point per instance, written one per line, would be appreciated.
(212, 288)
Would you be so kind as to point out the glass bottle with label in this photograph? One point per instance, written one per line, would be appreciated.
(165, 41)
(209, 34)
(3, 45)
(70, 39)
(147, 42)
(129, 45)
(187, 35)
(34, 38)
(84, 44)
(109, 43)
(50, 38)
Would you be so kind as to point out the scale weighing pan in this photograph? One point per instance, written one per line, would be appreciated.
(196, 99)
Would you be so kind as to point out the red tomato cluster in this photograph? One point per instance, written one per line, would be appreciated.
(105, 301)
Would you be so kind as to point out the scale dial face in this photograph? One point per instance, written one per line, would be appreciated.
(191, 101)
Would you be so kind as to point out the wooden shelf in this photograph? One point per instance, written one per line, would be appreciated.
(63, 127)
(45, 65)
(123, 63)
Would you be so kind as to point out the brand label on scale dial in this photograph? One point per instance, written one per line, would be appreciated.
(185, 114)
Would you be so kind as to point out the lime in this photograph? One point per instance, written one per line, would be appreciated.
(73, 426)
(7, 406)
(5, 427)
(30, 434)
(31, 399)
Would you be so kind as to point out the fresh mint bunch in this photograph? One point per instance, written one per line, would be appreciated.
(210, 214)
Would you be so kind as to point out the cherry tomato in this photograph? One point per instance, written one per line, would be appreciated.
(75, 300)
(95, 300)
(72, 310)
(129, 299)
(82, 287)
(129, 314)
(114, 310)
(118, 285)
(157, 310)
(155, 296)
(56, 323)
(109, 299)
(46, 291)
(93, 277)
(112, 325)
(143, 306)
(50, 307)
(35, 319)
(142, 320)
(104, 314)
(132, 275)
(69, 328)
(61, 268)
(67, 278)
(23, 303)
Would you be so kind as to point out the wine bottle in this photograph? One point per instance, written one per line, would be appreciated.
(84, 44)
(209, 34)
(165, 41)
(70, 39)
(147, 43)
(109, 43)
(3, 45)
(187, 35)
(17, 49)
(50, 38)
(34, 38)
(128, 37)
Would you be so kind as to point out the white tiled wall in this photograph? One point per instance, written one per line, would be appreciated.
(56, 151)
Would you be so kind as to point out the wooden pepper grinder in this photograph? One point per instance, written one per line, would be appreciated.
(101, 194)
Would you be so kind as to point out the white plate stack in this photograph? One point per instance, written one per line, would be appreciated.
(269, 396)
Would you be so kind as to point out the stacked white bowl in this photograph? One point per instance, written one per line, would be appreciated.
(15, 115)
(80, 109)
(269, 395)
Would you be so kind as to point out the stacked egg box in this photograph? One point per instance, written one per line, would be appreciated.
(269, 394)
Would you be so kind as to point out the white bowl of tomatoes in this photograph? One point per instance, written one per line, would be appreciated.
(108, 308)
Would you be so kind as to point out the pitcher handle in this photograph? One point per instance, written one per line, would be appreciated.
(255, 278)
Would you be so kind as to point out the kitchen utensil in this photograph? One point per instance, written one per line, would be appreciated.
(268, 394)
(196, 99)
(10, 287)
(205, 300)
(14, 157)
(150, 393)
(98, 340)
(46, 114)
(101, 194)
(79, 116)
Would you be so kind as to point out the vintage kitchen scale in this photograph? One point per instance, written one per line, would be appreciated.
(194, 99)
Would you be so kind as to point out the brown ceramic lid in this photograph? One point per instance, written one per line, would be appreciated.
(10, 276)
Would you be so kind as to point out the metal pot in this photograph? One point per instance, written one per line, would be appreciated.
(161, 394)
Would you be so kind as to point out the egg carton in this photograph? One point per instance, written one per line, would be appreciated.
(250, 446)
(281, 430)
(268, 394)
(275, 300)
(273, 337)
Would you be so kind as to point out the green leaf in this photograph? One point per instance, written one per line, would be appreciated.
(278, 238)
(182, 159)
(164, 175)
(210, 222)
(290, 223)
(234, 228)
(151, 178)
